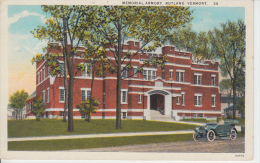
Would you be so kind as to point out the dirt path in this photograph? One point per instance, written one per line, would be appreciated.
(203, 146)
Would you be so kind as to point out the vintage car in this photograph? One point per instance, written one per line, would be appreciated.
(213, 130)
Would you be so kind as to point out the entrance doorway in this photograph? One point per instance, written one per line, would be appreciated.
(157, 103)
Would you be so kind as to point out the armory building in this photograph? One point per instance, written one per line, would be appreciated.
(179, 90)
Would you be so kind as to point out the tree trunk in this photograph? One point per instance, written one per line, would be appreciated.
(65, 87)
(234, 95)
(71, 79)
(91, 87)
(118, 84)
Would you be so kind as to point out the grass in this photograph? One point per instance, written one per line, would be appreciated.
(49, 127)
(241, 121)
(70, 144)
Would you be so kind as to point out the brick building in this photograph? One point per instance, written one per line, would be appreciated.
(179, 90)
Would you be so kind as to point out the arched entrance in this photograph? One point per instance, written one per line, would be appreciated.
(157, 103)
(163, 102)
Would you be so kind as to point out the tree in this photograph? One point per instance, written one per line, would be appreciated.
(225, 86)
(149, 25)
(226, 44)
(241, 106)
(18, 101)
(67, 22)
(229, 46)
(88, 107)
(38, 107)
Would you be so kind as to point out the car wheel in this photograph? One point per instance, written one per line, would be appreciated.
(211, 135)
(195, 136)
(233, 134)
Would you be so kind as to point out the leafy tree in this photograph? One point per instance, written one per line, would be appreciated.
(38, 107)
(226, 44)
(18, 101)
(67, 22)
(229, 46)
(88, 107)
(241, 105)
(149, 25)
(225, 86)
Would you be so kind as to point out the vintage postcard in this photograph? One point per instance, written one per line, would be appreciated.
(127, 80)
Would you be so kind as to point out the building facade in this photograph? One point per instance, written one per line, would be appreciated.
(179, 90)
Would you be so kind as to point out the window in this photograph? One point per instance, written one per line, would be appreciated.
(83, 114)
(153, 75)
(48, 94)
(62, 95)
(39, 77)
(163, 74)
(61, 68)
(182, 99)
(135, 72)
(213, 100)
(201, 115)
(180, 76)
(61, 113)
(43, 73)
(124, 115)
(124, 73)
(139, 98)
(197, 79)
(123, 97)
(213, 80)
(194, 115)
(170, 74)
(197, 100)
(43, 96)
(85, 94)
(178, 100)
(87, 71)
(145, 74)
(149, 74)
(49, 70)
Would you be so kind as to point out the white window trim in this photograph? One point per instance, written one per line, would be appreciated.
(214, 76)
(122, 96)
(183, 98)
(43, 96)
(48, 95)
(122, 114)
(86, 92)
(178, 101)
(198, 94)
(179, 71)
(198, 74)
(140, 95)
(213, 95)
(135, 74)
(43, 69)
(64, 94)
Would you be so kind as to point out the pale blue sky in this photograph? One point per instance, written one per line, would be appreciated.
(22, 45)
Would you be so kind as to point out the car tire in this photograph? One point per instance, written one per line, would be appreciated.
(195, 136)
(211, 135)
(233, 134)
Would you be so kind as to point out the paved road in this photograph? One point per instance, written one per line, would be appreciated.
(203, 146)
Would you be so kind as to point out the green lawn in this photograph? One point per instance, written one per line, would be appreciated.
(47, 127)
(69, 144)
(241, 121)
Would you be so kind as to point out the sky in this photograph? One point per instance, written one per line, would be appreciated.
(22, 45)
